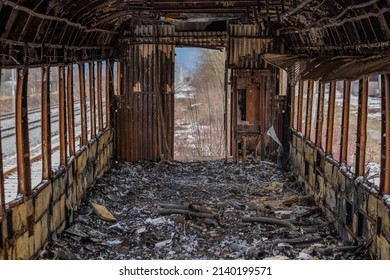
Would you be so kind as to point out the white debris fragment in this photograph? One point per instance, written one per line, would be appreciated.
(163, 243)
(156, 221)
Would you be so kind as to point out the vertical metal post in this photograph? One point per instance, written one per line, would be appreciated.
(62, 114)
(345, 125)
(3, 225)
(2, 193)
(109, 86)
(99, 95)
(300, 104)
(362, 127)
(46, 124)
(119, 78)
(320, 120)
(83, 108)
(386, 90)
(234, 109)
(293, 117)
(329, 134)
(309, 108)
(92, 99)
(226, 91)
(22, 135)
(383, 136)
(70, 103)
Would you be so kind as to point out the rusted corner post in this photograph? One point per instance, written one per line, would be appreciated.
(345, 124)
(386, 91)
(46, 124)
(329, 134)
(70, 103)
(99, 96)
(92, 99)
(62, 114)
(22, 135)
(83, 108)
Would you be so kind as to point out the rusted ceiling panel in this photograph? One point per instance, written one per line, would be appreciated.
(246, 46)
(318, 67)
(360, 67)
(331, 68)
(284, 61)
(312, 27)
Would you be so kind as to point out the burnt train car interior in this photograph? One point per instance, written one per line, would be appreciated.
(86, 84)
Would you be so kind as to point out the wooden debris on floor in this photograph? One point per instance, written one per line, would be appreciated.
(200, 210)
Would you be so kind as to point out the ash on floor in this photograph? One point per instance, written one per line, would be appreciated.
(199, 210)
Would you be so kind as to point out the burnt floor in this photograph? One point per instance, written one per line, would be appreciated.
(213, 197)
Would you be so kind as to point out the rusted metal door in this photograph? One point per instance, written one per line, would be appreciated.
(145, 113)
(256, 108)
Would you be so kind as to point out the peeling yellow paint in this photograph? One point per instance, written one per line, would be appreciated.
(137, 87)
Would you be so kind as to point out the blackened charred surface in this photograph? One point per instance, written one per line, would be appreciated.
(5, 13)
(219, 195)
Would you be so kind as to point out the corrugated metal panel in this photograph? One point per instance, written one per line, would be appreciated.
(246, 47)
(145, 128)
(201, 39)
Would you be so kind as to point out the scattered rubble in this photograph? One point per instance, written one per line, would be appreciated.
(199, 210)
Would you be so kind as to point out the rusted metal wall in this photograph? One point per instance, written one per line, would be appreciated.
(345, 166)
(146, 107)
(201, 39)
(246, 46)
(255, 104)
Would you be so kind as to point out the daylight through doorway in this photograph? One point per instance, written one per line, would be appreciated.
(199, 103)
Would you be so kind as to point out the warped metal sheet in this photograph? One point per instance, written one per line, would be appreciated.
(359, 67)
(284, 61)
(145, 113)
(246, 46)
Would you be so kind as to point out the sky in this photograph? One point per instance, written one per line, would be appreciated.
(187, 57)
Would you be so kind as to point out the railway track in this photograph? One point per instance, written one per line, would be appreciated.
(9, 161)
(9, 132)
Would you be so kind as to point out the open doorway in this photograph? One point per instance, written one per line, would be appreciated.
(199, 103)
